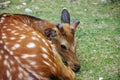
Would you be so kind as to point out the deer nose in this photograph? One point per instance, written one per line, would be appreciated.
(76, 68)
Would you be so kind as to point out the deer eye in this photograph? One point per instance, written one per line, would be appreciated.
(63, 47)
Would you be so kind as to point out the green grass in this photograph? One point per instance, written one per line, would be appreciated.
(98, 35)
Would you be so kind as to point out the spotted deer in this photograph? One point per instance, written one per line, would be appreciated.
(26, 54)
(61, 35)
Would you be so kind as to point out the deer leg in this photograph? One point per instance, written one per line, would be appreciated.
(65, 72)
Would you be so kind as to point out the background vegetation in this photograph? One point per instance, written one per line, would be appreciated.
(98, 35)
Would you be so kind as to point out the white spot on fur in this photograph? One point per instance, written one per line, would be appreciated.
(15, 46)
(34, 38)
(2, 18)
(45, 50)
(45, 56)
(45, 42)
(8, 29)
(24, 25)
(17, 59)
(1, 21)
(12, 24)
(4, 36)
(39, 36)
(34, 33)
(32, 62)
(30, 45)
(16, 33)
(54, 49)
(4, 27)
(6, 43)
(19, 68)
(13, 31)
(11, 62)
(46, 63)
(34, 74)
(4, 15)
(24, 56)
(0, 57)
(11, 52)
(6, 63)
(20, 75)
(22, 37)
(8, 73)
(12, 38)
(19, 40)
(5, 47)
(1, 42)
(6, 56)
(19, 28)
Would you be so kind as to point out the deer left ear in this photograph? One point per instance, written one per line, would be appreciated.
(75, 24)
(65, 16)
(50, 33)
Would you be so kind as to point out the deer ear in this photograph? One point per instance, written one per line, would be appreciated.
(65, 16)
(75, 24)
(50, 33)
(60, 28)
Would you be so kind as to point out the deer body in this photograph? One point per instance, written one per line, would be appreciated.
(62, 36)
(25, 54)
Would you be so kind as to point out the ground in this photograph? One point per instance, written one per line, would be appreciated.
(98, 34)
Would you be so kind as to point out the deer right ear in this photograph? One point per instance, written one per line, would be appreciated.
(50, 33)
(65, 16)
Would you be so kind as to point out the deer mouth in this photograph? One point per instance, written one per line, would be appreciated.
(76, 68)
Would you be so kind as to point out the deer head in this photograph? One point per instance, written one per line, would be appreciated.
(64, 40)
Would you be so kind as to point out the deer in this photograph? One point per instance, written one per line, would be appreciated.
(26, 54)
(61, 35)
